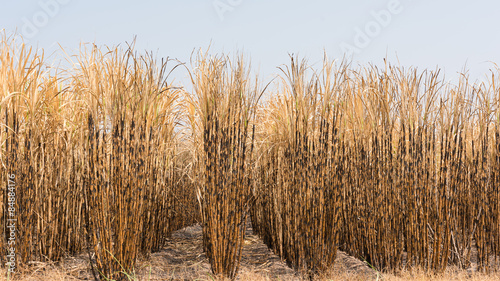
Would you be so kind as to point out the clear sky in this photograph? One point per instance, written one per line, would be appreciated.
(426, 33)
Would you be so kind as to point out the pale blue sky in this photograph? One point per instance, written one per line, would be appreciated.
(421, 33)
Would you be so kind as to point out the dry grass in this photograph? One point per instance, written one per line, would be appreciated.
(55, 273)
(182, 258)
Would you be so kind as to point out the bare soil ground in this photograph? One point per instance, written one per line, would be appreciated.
(183, 259)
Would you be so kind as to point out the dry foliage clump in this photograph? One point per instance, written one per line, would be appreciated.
(224, 103)
(297, 181)
(409, 164)
(94, 153)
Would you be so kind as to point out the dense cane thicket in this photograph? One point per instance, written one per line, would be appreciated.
(392, 165)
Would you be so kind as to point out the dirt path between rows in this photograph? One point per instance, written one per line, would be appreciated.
(182, 258)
